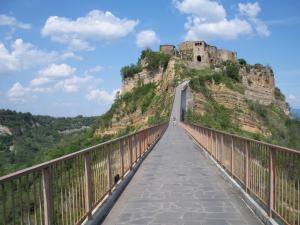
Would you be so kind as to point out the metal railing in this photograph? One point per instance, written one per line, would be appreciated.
(269, 173)
(64, 191)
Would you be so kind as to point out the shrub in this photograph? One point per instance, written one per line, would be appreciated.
(232, 71)
(242, 62)
(154, 60)
(130, 71)
(278, 94)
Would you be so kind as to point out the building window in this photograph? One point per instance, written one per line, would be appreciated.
(199, 58)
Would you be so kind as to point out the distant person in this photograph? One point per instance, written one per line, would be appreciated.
(174, 121)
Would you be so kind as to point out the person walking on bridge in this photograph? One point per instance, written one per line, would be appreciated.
(174, 121)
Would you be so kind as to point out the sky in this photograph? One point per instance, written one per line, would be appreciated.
(63, 58)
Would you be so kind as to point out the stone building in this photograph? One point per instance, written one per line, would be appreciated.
(168, 49)
(198, 54)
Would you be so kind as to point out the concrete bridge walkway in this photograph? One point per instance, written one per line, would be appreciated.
(178, 185)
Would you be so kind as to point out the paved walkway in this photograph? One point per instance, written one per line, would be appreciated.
(178, 185)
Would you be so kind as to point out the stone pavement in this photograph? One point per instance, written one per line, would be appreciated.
(178, 185)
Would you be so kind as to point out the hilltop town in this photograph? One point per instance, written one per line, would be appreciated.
(258, 80)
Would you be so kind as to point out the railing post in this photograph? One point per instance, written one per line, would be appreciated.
(272, 161)
(246, 165)
(222, 149)
(109, 172)
(88, 184)
(135, 147)
(47, 193)
(232, 156)
(122, 156)
(130, 150)
(207, 139)
(140, 144)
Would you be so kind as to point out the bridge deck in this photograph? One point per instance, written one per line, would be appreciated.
(178, 185)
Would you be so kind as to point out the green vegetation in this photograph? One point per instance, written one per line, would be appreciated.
(232, 71)
(198, 79)
(155, 60)
(129, 71)
(32, 135)
(279, 95)
(242, 62)
(285, 131)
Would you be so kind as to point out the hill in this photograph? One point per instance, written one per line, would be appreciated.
(24, 136)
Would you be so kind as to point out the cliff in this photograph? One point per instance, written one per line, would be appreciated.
(224, 92)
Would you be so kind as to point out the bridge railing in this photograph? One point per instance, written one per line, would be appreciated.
(269, 173)
(66, 190)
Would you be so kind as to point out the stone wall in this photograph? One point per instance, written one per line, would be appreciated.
(168, 49)
(198, 54)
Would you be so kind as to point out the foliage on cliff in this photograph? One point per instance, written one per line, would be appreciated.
(149, 60)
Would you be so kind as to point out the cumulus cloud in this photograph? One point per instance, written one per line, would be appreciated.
(146, 38)
(224, 29)
(17, 90)
(96, 25)
(292, 97)
(249, 9)
(70, 55)
(101, 96)
(57, 70)
(93, 70)
(22, 55)
(205, 10)
(73, 83)
(13, 22)
(207, 19)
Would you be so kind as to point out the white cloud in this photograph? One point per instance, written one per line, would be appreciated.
(292, 97)
(101, 96)
(146, 38)
(207, 19)
(70, 55)
(93, 70)
(38, 81)
(17, 90)
(261, 28)
(225, 29)
(249, 9)
(12, 22)
(57, 70)
(22, 55)
(73, 83)
(205, 10)
(96, 25)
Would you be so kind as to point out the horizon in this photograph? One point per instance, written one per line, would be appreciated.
(66, 63)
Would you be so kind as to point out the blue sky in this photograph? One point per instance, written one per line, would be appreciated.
(63, 58)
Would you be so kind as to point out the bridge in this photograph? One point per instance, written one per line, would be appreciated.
(167, 174)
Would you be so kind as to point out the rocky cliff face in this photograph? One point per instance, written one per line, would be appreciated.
(232, 100)
(255, 84)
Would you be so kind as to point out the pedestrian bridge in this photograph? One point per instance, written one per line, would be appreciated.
(183, 174)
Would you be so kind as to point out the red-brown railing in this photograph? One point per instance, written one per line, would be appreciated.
(269, 173)
(64, 191)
